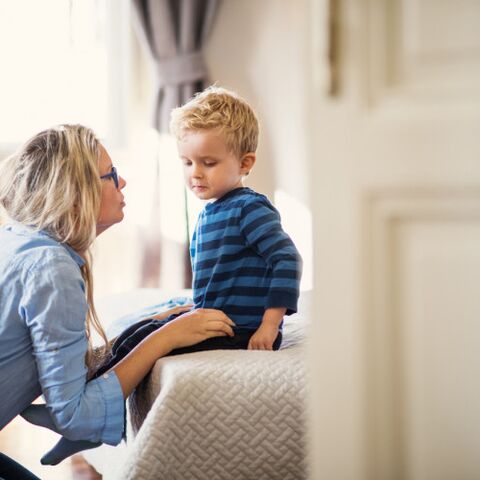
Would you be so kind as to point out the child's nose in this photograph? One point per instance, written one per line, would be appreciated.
(196, 172)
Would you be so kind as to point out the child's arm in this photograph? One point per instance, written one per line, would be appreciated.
(266, 334)
(262, 230)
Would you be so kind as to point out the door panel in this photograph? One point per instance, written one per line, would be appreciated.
(422, 334)
(439, 306)
(396, 202)
(422, 52)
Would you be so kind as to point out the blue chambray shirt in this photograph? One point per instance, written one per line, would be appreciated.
(43, 339)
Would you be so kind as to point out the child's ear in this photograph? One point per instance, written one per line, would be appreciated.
(247, 162)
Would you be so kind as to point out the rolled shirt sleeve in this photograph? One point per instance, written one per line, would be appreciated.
(54, 309)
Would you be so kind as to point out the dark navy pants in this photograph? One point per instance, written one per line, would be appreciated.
(134, 334)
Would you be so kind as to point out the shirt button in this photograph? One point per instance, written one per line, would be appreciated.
(105, 375)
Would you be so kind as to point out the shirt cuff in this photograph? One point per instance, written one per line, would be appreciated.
(285, 299)
(114, 407)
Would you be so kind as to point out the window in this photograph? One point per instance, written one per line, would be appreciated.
(57, 65)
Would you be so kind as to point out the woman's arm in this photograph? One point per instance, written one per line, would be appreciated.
(53, 309)
(185, 330)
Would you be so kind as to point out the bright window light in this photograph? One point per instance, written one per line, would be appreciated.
(172, 190)
(53, 58)
(297, 222)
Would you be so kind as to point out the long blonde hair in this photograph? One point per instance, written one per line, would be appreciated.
(52, 184)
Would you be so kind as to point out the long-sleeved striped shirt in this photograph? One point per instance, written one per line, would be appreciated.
(242, 260)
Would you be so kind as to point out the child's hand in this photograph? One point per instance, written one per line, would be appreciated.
(173, 311)
(264, 337)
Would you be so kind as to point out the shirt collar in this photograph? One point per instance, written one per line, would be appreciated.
(232, 193)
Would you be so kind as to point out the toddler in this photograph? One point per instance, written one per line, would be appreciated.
(243, 262)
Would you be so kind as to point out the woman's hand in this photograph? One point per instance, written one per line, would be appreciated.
(187, 329)
(195, 326)
(173, 311)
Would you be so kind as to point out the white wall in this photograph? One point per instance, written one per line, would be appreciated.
(259, 49)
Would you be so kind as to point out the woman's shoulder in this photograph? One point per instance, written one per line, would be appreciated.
(27, 249)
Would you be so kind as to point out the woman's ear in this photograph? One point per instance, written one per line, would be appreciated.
(247, 162)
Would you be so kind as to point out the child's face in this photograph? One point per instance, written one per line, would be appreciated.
(210, 169)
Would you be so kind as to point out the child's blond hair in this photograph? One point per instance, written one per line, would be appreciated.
(219, 109)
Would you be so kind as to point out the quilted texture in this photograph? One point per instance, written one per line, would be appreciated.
(221, 415)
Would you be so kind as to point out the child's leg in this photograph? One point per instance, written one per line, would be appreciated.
(127, 333)
(128, 340)
(38, 414)
(238, 342)
(278, 341)
(65, 448)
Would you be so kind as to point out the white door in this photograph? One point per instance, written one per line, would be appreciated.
(395, 345)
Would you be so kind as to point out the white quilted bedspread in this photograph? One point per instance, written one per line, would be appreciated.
(218, 415)
(222, 415)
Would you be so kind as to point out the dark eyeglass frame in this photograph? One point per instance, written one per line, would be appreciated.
(113, 174)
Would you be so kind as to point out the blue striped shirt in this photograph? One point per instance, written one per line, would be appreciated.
(242, 260)
(43, 340)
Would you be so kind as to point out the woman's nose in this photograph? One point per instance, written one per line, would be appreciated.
(121, 183)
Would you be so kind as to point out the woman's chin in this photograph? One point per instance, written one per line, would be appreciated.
(102, 226)
(120, 218)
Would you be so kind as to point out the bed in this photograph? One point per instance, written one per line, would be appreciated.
(211, 415)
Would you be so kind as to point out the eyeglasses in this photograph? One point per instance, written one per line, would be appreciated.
(113, 174)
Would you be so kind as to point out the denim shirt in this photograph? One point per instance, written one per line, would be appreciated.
(43, 339)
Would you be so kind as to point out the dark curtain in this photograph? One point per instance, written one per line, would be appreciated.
(173, 33)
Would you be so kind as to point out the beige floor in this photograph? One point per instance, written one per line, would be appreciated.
(26, 444)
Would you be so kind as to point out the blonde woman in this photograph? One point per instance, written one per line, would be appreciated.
(59, 192)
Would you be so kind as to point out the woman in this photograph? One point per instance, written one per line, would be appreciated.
(61, 191)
